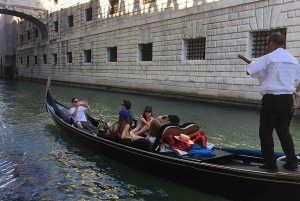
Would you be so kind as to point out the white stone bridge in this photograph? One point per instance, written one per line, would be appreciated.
(32, 10)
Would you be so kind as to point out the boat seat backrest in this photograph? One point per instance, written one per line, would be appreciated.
(174, 130)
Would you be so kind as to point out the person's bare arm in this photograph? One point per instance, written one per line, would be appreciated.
(88, 108)
(124, 132)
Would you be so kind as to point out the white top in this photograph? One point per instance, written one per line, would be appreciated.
(80, 114)
(276, 72)
(152, 140)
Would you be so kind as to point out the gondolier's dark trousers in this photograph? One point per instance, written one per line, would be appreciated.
(276, 112)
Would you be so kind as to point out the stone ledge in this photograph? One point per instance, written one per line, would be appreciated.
(232, 102)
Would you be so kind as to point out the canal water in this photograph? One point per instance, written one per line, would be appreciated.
(38, 163)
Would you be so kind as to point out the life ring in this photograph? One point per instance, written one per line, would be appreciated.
(283, 158)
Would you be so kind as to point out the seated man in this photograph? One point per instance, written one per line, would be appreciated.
(78, 115)
(126, 104)
(171, 119)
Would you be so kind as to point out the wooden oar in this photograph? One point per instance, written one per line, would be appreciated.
(48, 84)
(248, 61)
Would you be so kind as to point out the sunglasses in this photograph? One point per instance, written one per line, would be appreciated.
(148, 111)
(75, 101)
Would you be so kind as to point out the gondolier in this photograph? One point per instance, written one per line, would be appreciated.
(276, 72)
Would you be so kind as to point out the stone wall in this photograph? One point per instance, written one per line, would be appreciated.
(226, 24)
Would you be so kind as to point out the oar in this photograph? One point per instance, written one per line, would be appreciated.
(248, 61)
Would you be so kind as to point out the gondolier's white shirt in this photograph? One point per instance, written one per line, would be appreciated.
(80, 114)
(276, 72)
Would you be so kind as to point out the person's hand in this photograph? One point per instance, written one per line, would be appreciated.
(142, 119)
(85, 101)
(159, 118)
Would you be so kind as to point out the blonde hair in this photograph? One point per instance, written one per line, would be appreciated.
(154, 127)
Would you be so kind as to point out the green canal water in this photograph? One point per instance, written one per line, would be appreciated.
(38, 163)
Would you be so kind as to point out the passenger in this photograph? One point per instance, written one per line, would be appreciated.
(78, 115)
(145, 121)
(121, 127)
(126, 104)
(154, 129)
(171, 119)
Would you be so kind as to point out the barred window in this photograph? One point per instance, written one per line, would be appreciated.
(145, 52)
(27, 61)
(69, 57)
(114, 6)
(87, 56)
(35, 60)
(259, 41)
(148, 1)
(28, 35)
(56, 26)
(45, 58)
(195, 49)
(55, 58)
(112, 54)
(36, 31)
(88, 14)
(70, 21)
(22, 38)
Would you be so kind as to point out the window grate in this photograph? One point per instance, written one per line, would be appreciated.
(35, 60)
(28, 35)
(55, 58)
(148, 1)
(69, 57)
(196, 49)
(27, 61)
(56, 26)
(259, 41)
(36, 31)
(114, 6)
(70, 20)
(87, 56)
(146, 52)
(113, 54)
(88, 14)
(45, 58)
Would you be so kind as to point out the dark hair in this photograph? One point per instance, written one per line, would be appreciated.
(174, 119)
(277, 38)
(147, 108)
(127, 104)
(73, 99)
(122, 121)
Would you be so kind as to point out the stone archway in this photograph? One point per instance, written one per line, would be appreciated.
(35, 15)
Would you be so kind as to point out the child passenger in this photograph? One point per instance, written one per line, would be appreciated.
(154, 128)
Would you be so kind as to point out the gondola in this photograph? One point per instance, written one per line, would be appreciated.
(231, 173)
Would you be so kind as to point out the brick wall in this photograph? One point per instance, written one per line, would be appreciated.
(226, 24)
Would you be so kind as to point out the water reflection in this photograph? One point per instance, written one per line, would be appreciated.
(48, 166)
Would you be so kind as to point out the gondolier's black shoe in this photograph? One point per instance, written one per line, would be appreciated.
(268, 166)
(290, 166)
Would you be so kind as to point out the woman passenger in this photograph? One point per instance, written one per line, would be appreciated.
(120, 128)
(145, 121)
(154, 129)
